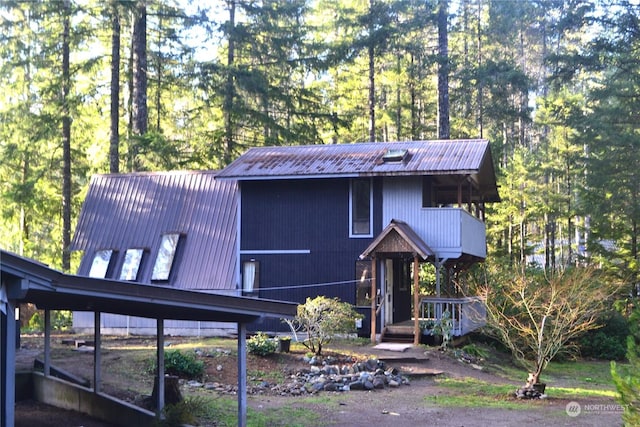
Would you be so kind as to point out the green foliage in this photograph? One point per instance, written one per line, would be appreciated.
(261, 345)
(628, 380)
(609, 342)
(323, 318)
(184, 365)
(476, 351)
(185, 412)
(61, 320)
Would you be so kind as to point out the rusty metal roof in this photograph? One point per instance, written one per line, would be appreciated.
(125, 211)
(361, 159)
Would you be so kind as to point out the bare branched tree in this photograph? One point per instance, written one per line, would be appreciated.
(538, 315)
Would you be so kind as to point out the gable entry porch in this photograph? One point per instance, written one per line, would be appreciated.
(405, 314)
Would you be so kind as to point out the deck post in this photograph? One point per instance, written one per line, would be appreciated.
(374, 298)
(416, 302)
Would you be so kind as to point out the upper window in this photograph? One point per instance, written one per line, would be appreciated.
(166, 256)
(361, 207)
(101, 263)
(131, 265)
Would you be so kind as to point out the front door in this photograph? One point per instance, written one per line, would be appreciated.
(388, 291)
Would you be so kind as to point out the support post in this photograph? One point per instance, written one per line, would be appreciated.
(242, 375)
(416, 300)
(47, 342)
(97, 352)
(9, 367)
(160, 364)
(374, 299)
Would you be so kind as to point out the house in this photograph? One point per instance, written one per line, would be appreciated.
(350, 221)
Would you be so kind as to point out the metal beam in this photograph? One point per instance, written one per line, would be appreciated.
(97, 352)
(47, 343)
(242, 375)
(160, 365)
(9, 404)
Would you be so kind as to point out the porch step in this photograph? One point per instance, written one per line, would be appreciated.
(400, 334)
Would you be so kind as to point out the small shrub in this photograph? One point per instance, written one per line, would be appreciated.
(323, 318)
(182, 413)
(261, 345)
(475, 351)
(184, 365)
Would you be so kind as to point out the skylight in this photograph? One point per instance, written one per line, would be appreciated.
(394, 155)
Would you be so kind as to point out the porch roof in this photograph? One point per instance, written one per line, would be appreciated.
(387, 241)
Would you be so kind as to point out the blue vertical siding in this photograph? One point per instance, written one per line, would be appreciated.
(301, 215)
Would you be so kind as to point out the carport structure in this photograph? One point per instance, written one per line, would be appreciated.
(27, 281)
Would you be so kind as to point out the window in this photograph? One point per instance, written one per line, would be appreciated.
(131, 265)
(250, 276)
(361, 207)
(101, 263)
(363, 283)
(165, 258)
(428, 193)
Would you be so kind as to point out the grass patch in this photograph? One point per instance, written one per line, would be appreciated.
(269, 376)
(223, 412)
(472, 393)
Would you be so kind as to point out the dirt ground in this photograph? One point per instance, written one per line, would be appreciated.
(399, 407)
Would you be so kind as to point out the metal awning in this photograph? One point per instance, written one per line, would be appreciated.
(27, 281)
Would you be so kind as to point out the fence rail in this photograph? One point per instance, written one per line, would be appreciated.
(465, 314)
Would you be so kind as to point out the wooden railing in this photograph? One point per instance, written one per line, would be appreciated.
(464, 314)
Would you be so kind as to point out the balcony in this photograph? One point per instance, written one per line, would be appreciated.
(449, 232)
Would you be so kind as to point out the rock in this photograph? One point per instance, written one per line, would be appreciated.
(356, 385)
(368, 385)
(219, 368)
(394, 384)
(378, 383)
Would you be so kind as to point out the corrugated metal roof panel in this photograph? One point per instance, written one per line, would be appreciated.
(363, 159)
(134, 210)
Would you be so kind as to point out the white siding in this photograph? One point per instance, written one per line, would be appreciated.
(449, 232)
(117, 324)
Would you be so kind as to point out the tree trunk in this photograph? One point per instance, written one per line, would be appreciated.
(66, 141)
(372, 95)
(114, 138)
(140, 112)
(444, 131)
(229, 89)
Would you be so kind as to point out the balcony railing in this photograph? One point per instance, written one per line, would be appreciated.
(464, 314)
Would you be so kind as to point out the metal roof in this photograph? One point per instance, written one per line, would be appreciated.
(360, 159)
(123, 211)
(29, 281)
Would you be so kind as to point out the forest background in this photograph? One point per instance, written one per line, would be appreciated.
(114, 86)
